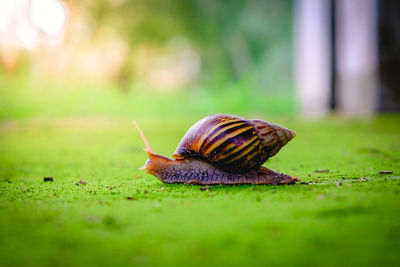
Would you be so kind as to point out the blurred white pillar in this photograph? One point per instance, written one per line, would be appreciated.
(312, 66)
(357, 56)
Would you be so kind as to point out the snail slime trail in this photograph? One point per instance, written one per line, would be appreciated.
(222, 149)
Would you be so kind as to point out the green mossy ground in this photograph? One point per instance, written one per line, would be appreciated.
(348, 216)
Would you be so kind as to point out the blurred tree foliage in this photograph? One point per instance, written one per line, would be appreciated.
(233, 37)
(114, 50)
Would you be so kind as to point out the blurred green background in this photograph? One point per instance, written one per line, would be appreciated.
(143, 58)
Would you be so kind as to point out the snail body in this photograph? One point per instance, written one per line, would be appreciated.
(223, 149)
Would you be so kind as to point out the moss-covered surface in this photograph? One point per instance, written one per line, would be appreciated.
(348, 215)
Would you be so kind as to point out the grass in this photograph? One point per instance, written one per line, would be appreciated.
(349, 215)
(25, 96)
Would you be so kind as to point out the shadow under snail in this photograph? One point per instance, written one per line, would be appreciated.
(222, 149)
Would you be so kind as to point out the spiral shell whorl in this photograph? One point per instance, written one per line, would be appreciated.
(273, 137)
(232, 143)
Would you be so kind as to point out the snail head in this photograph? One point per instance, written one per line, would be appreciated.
(154, 162)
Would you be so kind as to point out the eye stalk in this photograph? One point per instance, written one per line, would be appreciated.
(148, 149)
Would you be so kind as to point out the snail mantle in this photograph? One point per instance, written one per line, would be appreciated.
(223, 149)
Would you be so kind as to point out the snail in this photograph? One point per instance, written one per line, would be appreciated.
(222, 149)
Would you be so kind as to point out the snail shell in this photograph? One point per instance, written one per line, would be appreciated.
(232, 143)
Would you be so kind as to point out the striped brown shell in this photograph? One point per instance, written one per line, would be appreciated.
(232, 143)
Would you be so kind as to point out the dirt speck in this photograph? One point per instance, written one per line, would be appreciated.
(138, 176)
(339, 184)
(82, 181)
(322, 171)
(131, 198)
(205, 188)
(48, 179)
(385, 172)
